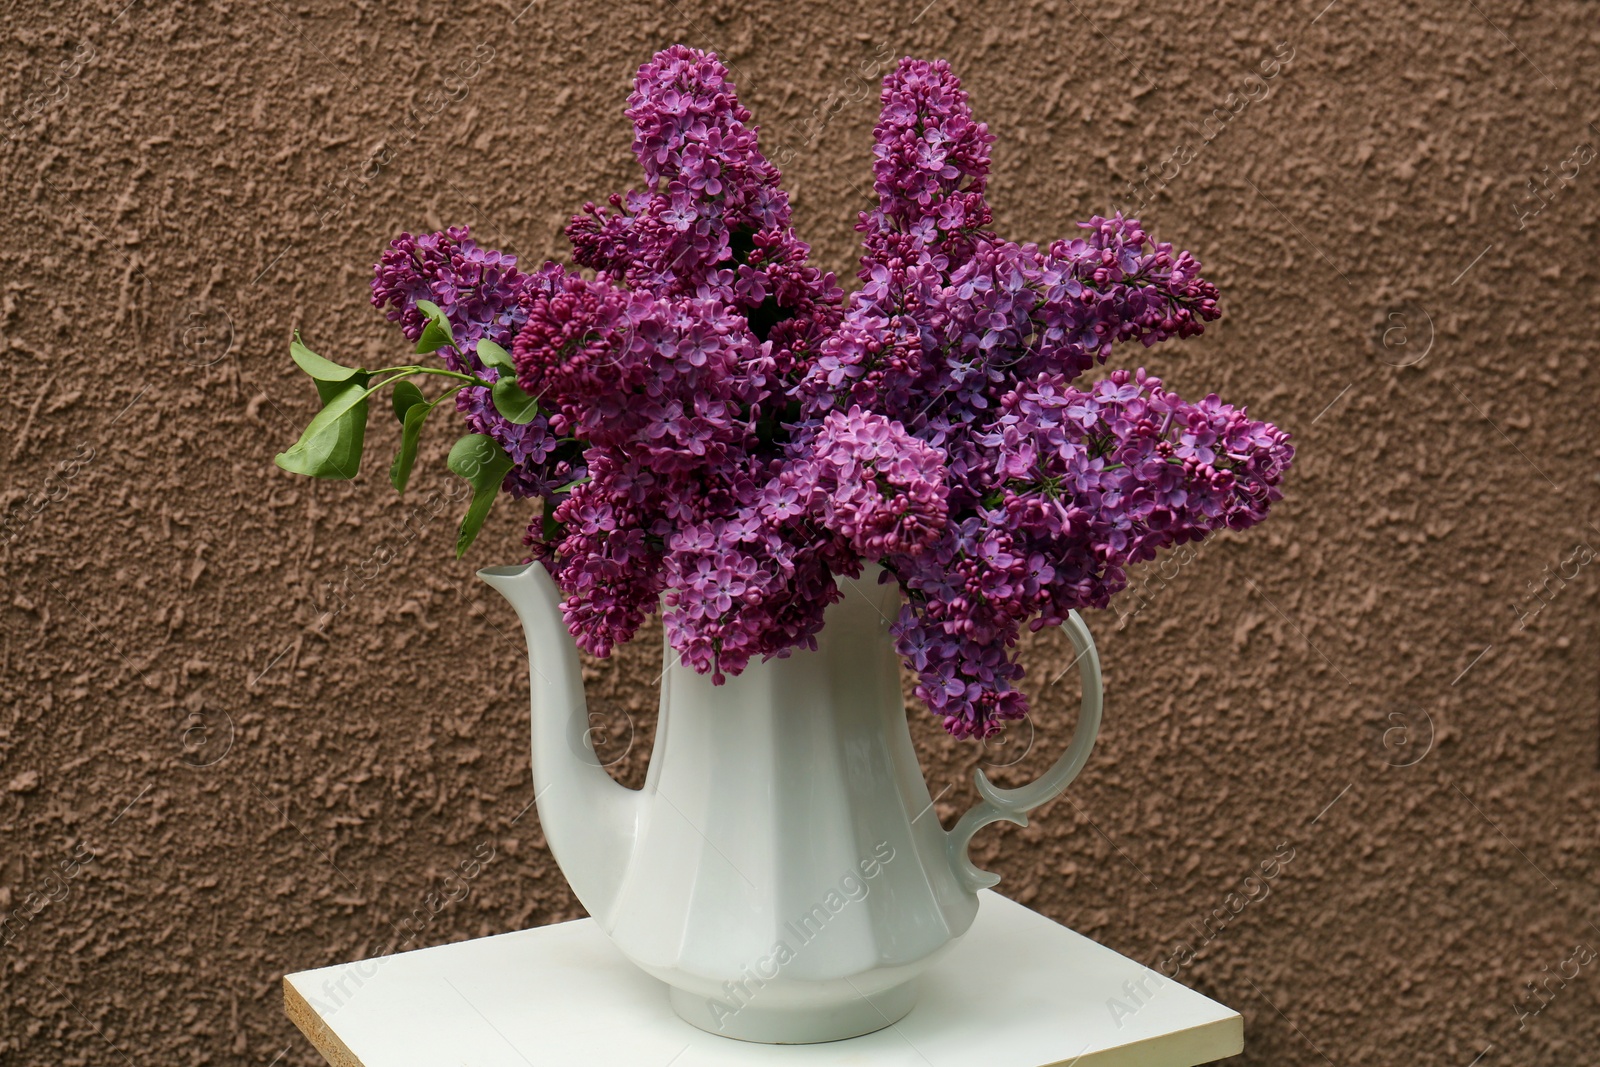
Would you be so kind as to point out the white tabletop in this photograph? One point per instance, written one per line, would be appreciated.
(1018, 991)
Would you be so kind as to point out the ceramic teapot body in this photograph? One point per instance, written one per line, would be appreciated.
(782, 870)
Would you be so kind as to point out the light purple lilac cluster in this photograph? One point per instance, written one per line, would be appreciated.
(971, 343)
(747, 436)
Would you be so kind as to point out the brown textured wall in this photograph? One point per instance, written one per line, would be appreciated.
(200, 789)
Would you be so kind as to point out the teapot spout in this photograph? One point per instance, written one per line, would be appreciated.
(590, 821)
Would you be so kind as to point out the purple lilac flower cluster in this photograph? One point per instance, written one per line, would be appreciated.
(483, 293)
(714, 223)
(675, 365)
(747, 436)
(970, 343)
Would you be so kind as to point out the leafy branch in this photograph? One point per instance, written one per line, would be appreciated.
(331, 444)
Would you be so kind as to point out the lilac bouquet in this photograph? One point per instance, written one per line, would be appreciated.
(715, 430)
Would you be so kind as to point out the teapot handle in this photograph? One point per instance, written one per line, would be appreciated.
(1012, 805)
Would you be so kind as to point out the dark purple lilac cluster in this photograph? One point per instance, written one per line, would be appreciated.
(745, 436)
(484, 295)
(713, 222)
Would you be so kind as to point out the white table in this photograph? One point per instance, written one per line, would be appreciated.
(1018, 991)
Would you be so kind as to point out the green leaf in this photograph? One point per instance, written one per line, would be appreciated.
(410, 435)
(330, 447)
(483, 463)
(492, 355)
(437, 333)
(406, 396)
(326, 391)
(320, 368)
(510, 401)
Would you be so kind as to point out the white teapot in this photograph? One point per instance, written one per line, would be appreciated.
(782, 871)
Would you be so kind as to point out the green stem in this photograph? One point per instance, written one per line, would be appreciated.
(446, 395)
(408, 371)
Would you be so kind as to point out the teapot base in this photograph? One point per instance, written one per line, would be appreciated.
(797, 1025)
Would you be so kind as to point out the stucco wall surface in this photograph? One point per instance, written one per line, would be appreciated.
(205, 782)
